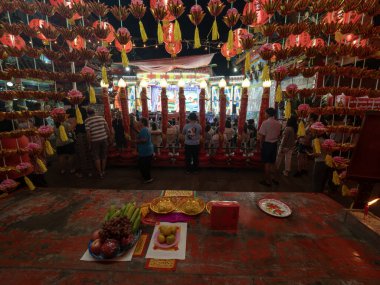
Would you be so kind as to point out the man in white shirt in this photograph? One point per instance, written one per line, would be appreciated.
(269, 135)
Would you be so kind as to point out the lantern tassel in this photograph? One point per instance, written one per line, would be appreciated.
(336, 179)
(265, 75)
(301, 129)
(230, 41)
(78, 115)
(317, 145)
(329, 160)
(41, 165)
(48, 149)
(197, 41)
(288, 109)
(62, 134)
(142, 32)
(278, 97)
(247, 63)
(215, 33)
(124, 58)
(29, 183)
(160, 33)
(345, 191)
(177, 31)
(104, 75)
(91, 91)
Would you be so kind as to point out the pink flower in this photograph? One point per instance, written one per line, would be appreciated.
(75, 93)
(246, 36)
(23, 166)
(196, 9)
(281, 69)
(137, 2)
(87, 70)
(33, 146)
(339, 159)
(57, 111)
(232, 12)
(45, 130)
(303, 107)
(329, 143)
(102, 50)
(266, 47)
(7, 184)
(291, 88)
(318, 125)
(123, 31)
(176, 2)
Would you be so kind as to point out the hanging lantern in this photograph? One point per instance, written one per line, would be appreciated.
(168, 29)
(68, 4)
(237, 35)
(215, 7)
(12, 41)
(127, 47)
(231, 19)
(138, 10)
(104, 31)
(159, 12)
(228, 53)
(318, 42)
(168, 17)
(351, 17)
(176, 8)
(302, 40)
(78, 43)
(196, 17)
(121, 13)
(173, 48)
(36, 25)
(255, 7)
(247, 42)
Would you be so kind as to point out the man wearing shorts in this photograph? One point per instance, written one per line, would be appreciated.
(98, 135)
(269, 134)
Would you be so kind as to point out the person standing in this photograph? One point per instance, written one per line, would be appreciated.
(144, 149)
(269, 134)
(287, 145)
(192, 133)
(98, 135)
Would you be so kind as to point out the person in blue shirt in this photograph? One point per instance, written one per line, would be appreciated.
(145, 150)
(192, 133)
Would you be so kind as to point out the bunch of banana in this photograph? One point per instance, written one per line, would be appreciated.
(130, 211)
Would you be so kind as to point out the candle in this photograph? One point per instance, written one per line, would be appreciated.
(366, 207)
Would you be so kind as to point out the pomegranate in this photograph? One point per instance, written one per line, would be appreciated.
(110, 248)
(96, 246)
(126, 241)
(96, 234)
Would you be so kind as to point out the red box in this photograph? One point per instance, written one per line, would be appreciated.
(225, 215)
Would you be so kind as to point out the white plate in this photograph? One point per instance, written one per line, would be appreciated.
(274, 208)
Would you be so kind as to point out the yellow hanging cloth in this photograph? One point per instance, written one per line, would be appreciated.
(124, 58)
(142, 32)
(345, 191)
(29, 183)
(247, 62)
(278, 97)
(92, 95)
(317, 145)
(215, 33)
(329, 160)
(104, 75)
(160, 33)
(265, 75)
(197, 40)
(48, 149)
(41, 165)
(288, 109)
(177, 31)
(301, 129)
(230, 40)
(62, 134)
(336, 179)
(78, 115)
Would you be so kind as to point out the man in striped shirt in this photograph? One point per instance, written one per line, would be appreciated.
(98, 135)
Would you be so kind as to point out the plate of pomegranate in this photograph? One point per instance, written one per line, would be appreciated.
(119, 233)
(274, 208)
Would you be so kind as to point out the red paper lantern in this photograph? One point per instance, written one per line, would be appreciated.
(69, 4)
(237, 35)
(38, 23)
(256, 7)
(169, 17)
(168, 29)
(12, 41)
(350, 17)
(318, 42)
(331, 17)
(302, 40)
(127, 47)
(361, 43)
(104, 25)
(276, 46)
(349, 38)
(173, 48)
(77, 43)
(228, 53)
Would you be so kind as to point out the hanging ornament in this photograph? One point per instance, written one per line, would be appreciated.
(159, 12)
(121, 13)
(173, 48)
(29, 183)
(278, 97)
(103, 55)
(123, 37)
(228, 53)
(231, 19)
(104, 31)
(329, 160)
(41, 165)
(215, 7)
(12, 41)
(237, 35)
(265, 73)
(247, 42)
(196, 17)
(176, 8)
(48, 148)
(288, 109)
(301, 129)
(168, 29)
(255, 7)
(138, 10)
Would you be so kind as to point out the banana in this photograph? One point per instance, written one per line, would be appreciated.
(126, 208)
(110, 212)
(136, 224)
(130, 212)
(136, 213)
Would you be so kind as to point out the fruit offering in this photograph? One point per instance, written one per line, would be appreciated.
(120, 231)
(167, 234)
(162, 205)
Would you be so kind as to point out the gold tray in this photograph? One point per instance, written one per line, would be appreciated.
(183, 203)
(162, 205)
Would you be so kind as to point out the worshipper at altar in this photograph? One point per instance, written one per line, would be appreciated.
(156, 136)
(287, 145)
(144, 149)
(192, 133)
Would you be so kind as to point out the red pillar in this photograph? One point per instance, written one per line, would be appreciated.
(125, 110)
(242, 114)
(264, 105)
